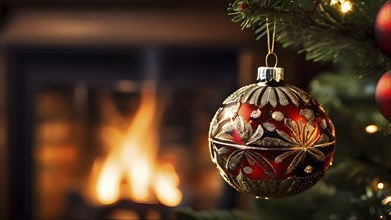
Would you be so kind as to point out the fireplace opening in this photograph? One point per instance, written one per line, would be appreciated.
(120, 133)
(130, 167)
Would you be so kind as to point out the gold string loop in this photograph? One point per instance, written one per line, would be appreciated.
(270, 43)
(275, 58)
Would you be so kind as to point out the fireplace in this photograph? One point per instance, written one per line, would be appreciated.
(114, 129)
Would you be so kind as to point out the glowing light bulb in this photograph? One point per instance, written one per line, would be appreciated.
(346, 6)
(380, 185)
(371, 129)
(386, 200)
(333, 2)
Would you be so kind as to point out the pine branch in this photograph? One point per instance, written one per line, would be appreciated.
(325, 202)
(319, 30)
(361, 158)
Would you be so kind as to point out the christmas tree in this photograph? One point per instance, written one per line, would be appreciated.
(348, 35)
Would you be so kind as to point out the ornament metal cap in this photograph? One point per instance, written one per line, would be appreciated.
(269, 74)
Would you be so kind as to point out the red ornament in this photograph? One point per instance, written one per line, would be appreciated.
(383, 95)
(271, 140)
(383, 28)
(243, 6)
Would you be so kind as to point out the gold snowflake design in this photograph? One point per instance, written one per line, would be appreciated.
(304, 139)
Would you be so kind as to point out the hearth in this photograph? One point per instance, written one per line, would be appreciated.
(115, 132)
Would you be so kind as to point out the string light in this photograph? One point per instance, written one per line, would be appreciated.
(380, 185)
(333, 2)
(345, 5)
(386, 200)
(371, 129)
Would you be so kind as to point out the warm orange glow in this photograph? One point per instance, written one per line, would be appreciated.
(386, 200)
(371, 129)
(333, 2)
(166, 187)
(346, 6)
(380, 185)
(109, 178)
(130, 171)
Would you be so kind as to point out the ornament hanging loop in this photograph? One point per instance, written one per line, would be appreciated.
(275, 59)
(270, 43)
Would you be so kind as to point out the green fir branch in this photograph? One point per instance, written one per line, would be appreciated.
(320, 30)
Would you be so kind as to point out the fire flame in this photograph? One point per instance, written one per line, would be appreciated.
(130, 171)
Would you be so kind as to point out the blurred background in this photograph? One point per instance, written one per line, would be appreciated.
(105, 105)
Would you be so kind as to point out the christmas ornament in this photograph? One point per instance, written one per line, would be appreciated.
(243, 6)
(383, 95)
(383, 28)
(270, 139)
